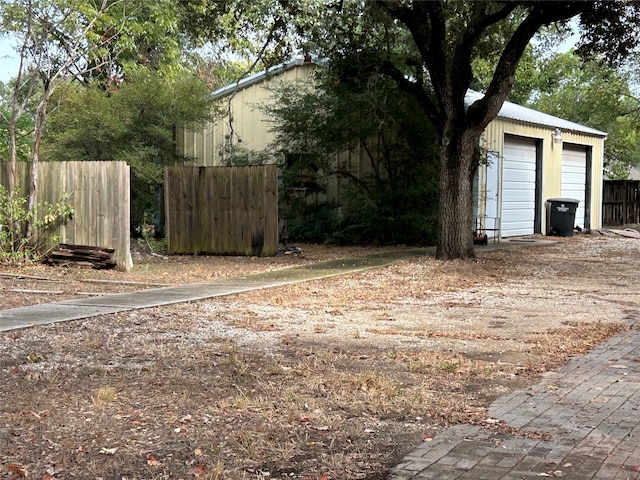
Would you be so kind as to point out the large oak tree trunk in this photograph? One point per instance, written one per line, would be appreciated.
(458, 165)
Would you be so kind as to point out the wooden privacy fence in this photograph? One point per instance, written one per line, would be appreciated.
(222, 210)
(621, 202)
(99, 193)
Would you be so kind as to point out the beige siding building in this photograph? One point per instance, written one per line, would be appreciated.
(243, 124)
(531, 156)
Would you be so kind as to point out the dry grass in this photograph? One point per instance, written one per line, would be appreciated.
(335, 379)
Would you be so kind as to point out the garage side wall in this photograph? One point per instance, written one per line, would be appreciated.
(249, 128)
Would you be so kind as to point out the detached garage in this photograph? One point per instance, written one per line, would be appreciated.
(533, 157)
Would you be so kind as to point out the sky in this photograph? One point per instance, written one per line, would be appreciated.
(8, 60)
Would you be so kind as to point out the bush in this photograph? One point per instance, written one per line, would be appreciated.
(24, 233)
(397, 217)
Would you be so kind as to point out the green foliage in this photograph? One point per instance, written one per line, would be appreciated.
(15, 245)
(235, 156)
(594, 94)
(146, 232)
(133, 122)
(315, 128)
(24, 140)
(617, 171)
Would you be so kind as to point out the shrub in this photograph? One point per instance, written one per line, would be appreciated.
(25, 234)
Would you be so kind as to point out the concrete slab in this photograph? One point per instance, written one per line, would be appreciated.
(49, 313)
(86, 307)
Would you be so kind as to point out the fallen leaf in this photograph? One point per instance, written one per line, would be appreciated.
(199, 470)
(600, 400)
(108, 451)
(153, 461)
(17, 469)
(197, 452)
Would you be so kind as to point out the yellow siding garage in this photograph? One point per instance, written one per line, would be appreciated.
(568, 162)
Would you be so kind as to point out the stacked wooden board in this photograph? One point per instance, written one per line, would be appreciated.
(96, 257)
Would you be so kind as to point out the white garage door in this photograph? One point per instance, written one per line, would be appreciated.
(574, 177)
(518, 186)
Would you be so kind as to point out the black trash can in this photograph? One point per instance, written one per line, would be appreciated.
(561, 216)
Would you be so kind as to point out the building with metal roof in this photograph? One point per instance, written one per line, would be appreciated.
(532, 157)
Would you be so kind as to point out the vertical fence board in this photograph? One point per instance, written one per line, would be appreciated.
(222, 210)
(621, 202)
(99, 193)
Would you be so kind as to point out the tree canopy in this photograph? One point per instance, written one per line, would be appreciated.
(132, 123)
(392, 198)
(441, 43)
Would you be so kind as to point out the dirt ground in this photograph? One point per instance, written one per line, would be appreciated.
(332, 379)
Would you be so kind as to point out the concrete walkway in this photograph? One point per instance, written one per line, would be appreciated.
(580, 423)
(24, 317)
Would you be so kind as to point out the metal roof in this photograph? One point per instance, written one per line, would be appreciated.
(509, 110)
(260, 76)
(519, 113)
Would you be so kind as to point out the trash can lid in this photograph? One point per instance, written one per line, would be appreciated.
(563, 200)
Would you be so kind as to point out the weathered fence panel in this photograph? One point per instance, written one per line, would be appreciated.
(222, 210)
(99, 193)
(621, 202)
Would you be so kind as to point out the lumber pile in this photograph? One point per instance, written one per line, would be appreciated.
(96, 257)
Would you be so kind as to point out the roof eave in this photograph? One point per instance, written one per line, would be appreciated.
(259, 77)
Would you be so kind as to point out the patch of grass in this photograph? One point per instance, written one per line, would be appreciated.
(217, 471)
(34, 357)
(103, 395)
(575, 338)
(236, 363)
(449, 366)
(375, 383)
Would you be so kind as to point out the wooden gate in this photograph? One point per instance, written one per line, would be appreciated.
(222, 210)
(621, 202)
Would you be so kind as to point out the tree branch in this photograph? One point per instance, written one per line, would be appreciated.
(484, 110)
(415, 88)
